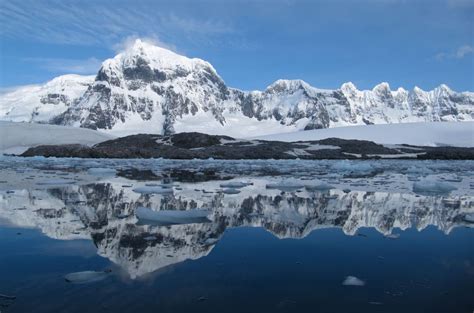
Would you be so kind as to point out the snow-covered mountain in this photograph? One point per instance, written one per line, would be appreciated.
(150, 89)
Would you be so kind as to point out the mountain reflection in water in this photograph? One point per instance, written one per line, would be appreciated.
(105, 213)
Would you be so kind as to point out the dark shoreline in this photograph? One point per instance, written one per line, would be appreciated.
(186, 146)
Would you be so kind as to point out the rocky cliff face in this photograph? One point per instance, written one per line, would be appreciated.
(151, 89)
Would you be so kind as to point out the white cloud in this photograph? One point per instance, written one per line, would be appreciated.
(463, 51)
(461, 3)
(459, 53)
(104, 23)
(128, 41)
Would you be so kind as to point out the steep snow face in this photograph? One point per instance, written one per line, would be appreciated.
(154, 90)
(40, 103)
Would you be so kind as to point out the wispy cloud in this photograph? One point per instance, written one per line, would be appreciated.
(459, 53)
(128, 41)
(73, 66)
(100, 23)
(461, 3)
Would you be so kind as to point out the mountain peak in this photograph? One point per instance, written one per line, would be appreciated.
(443, 87)
(348, 87)
(143, 52)
(283, 85)
(382, 87)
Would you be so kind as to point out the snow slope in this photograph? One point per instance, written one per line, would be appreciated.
(422, 134)
(15, 138)
(40, 103)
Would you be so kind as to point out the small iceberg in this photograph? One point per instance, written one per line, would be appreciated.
(318, 186)
(2, 296)
(153, 189)
(354, 167)
(431, 186)
(171, 217)
(56, 182)
(101, 171)
(353, 281)
(235, 185)
(231, 191)
(284, 186)
(469, 217)
(86, 277)
(150, 238)
(6, 301)
(392, 236)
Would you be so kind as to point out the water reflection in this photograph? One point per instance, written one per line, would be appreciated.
(105, 213)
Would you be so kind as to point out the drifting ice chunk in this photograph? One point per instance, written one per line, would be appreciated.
(231, 191)
(469, 217)
(101, 171)
(152, 189)
(355, 167)
(317, 186)
(86, 277)
(91, 164)
(171, 217)
(353, 281)
(237, 184)
(430, 186)
(211, 241)
(419, 170)
(6, 301)
(7, 297)
(150, 238)
(284, 186)
(392, 236)
(57, 182)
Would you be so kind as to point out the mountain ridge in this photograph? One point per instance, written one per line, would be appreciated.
(154, 90)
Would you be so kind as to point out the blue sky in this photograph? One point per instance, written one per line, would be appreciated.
(250, 43)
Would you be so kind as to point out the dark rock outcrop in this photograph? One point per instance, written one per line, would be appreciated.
(203, 146)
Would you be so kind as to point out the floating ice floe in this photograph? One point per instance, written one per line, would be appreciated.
(231, 191)
(91, 164)
(355, 167)
(211, 241)
(122, 215)
(419, 169)
(101, 171)
(150, 238)
(7, 297)
(86, 277)
(469, 217)
(318, 186)
(170, 217)
(153, 189)
(392, 236)
(431, 186)
(237, 184)
(284, 186)
(353, 281)
(56, 182)
(6, 301)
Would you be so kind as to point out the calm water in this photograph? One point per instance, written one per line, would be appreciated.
(287, 248)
